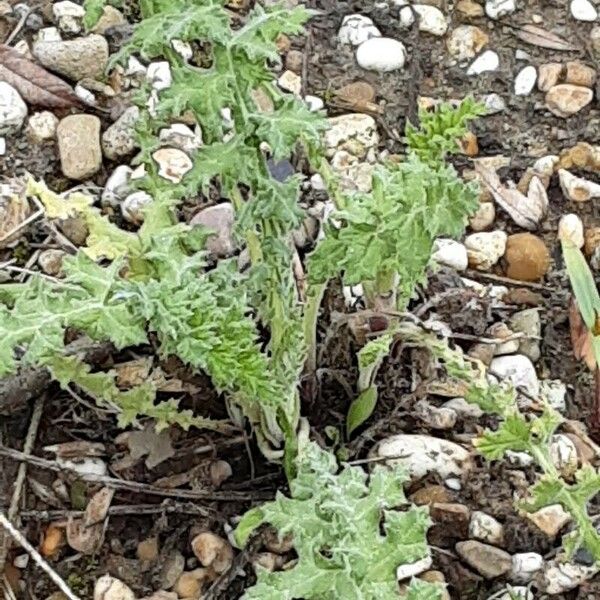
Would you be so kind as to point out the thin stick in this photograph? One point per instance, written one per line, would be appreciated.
(35, 555)
(21, 225)
(134, 486)
(18, 27)
(481, 275)
(13, 508)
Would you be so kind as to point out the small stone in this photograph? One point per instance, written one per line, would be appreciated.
(134, 206)
(485, 528)
(528, 322)
(453, 517)
(436, 577)
(525, 565)
(557, 577)
(431, 19)
(430, 494)
(181, 136)
(51, 261)
(268, 560)
(79, 146)
(469, 145)
(564, 455)
(357, 29)
(117, 186)
(12, 109)
(494, 103)
(190, 584)
(527, 257)
(570, 227)
(577, 188)
(484, 217)
(469, 8)
(550, 519)
(554, 392)
(592, 240)
(111, 588)
(495, 9)
(218, 219)
(434, 417)
(484, 249)
(75, 230)
(579, 73)
(450, 253)
(466, 41)
(500, 331)
(486, 62)
(172, 163)
(565, 99)
(525, 81)
(110, 17)
(356, 133)
(42, 126)
(213, 551)
(549, 75)
(21, 561)
(488, 561)
(290, 82)
(119, 139)
(583, 10)
(294, 61)
(411, 569)
(147, 550)
(463, 408)
(68, 15)
(595, 38)
(381, 54)
(359, 92)
(75, 59)
(159, 75)
(518, 370)
(314, 103)
(422, 454)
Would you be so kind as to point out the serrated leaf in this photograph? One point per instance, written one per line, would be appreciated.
(342, 555)
(512, 434)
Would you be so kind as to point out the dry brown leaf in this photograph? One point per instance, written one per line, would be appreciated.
(156, 446)
(581, 338)
(37, 85)
(78, 449)
(538, 36)
(13, 211)
(525, 211)
(87, 534)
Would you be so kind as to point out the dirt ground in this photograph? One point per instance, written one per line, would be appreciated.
(523, 132)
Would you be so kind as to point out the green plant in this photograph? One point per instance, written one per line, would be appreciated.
(386, 237)
(349, 538)
(518, 431)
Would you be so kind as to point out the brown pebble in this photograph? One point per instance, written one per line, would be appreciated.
(580, 74)
(592, 240)
(483, 352)
(283, 43)
(469, 8)
(548, 76)
(430, 494)
(527, 257)
(469, 145)
(357, 92)
(523, 296)
(147, 549)
(294, 60)
(581, 155)
(566, 99)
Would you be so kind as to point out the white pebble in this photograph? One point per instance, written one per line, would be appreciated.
(518, 370)
(42, 126)
(488, 61)
(381, 54)
(494, 103)
(450, 253)
(12, 109)
(412, 569)
(159, 75)
(357, 29)
(583, 10)
(134, 205)
(499, 8)
(431, 19)
(525, 81)
(525, 565)
(314, 103)
(290, 82)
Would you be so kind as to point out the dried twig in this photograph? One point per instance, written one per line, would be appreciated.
(22, 472)
(35, 555)
(134, 486)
